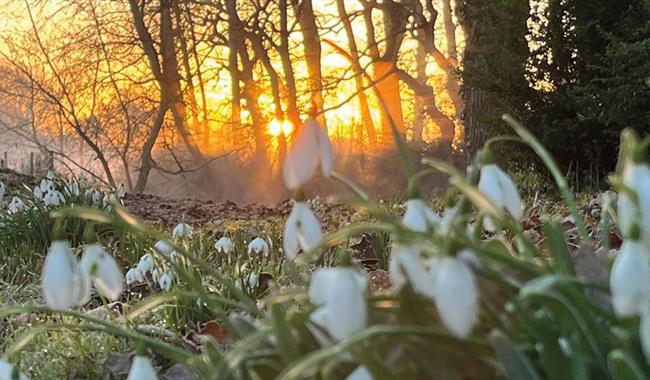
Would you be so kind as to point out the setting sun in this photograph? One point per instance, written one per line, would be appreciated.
(277, 127)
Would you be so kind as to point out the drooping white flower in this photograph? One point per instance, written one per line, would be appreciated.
(64, 283)
(134, 275)
(406, 266)
(182, 230)
(96, 198)
(224, 245)
(103, 270)
(258, 245)
(72, 188)
(629, 280)
(156, 274)
(141, 369)
(3, 190)
(302, 230)
(635, 212)
(361, 373)
(456, 296)
(340, 293)
(15, 205)
(499, 188)
(253, 280)
(46, 185)
(419, 217)
(52, 198)
(164, 247)
(38, 193)
(7, 371)
(311, 148)
(50, 175)
(109, 200)
(146, 263)
(165, 281)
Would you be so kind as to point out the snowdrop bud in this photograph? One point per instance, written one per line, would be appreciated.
(361, 373)
(104, 271)
(163, 247)
(50, 175)
(419, 217)
(258, 245)
(165, 281)
(16, 205)
(311, 148)
(253, 280)
(64, 283)
(146, 263)
(224, 245)
(134, 275)
(182, 230)
(499, 188)
(141, 369)
(635, 212)
(302, 230)
(7, 371)
(456, 296)
(341, 294)
(629, 279)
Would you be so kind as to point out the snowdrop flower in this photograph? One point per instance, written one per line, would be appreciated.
(361, 373)
(53, 198)
(156, 274)
(72, 188)
(108, 200)
(499, 188)
(146, 263)
(406, 266)
(165, 281)
(121, 191)
(418, 216)
(141, 369)
(16, 205)
(50, 175)
(64, 283)
(311, 148)
(302, 230)
(46, 185)
(134, 275)
(456, 296)
(224, 245)
(253, 280)
(258, 245)
(7, 371)
(182, 230)
(103, 270)
(3, 190)
(164, 247)
(38, 193)
(635, 212)
(629, 279)
(340, 293)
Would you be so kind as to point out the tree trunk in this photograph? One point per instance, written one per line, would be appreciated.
(283, 49)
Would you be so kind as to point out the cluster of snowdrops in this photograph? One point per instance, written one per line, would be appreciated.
(471, 294)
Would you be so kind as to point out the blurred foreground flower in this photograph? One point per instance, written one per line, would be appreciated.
(456, 296)
(634, 202)
(104, 271)
(630, 279)
(340, 293)
(141, 369)
(8, 372)
(499, 188)
(419, 217)
(302, 230)
(64, 283)
(311, 148)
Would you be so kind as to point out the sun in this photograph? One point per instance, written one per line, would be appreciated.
(277, 127)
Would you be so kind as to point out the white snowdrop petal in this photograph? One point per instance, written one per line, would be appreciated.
(456, 296)
(644, 333)
(224, 245)
(302, 159)
(61, 277)
(7, 371)
(629, 279)
(360, 373)
(325, 150)
(141, 369)
(418, 216)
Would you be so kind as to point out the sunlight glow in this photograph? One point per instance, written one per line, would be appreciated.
(277, 127)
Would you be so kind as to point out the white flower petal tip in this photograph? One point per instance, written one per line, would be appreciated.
(224, 245)
(456, 296)
(258, 245)
(419, 217)
(141, 369)
(7, 371)
(302, 230)
(163, 247)
(341, 294)
(635, 212)
(361, 373)
(406, 267)
(64, 283)
(182, 230)
(498, 187)
(104, 271)
(644, 333)
(629, 280)
(310, 149)
(165, 281)
(146, 263)
(15, 205)
(134, 275)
